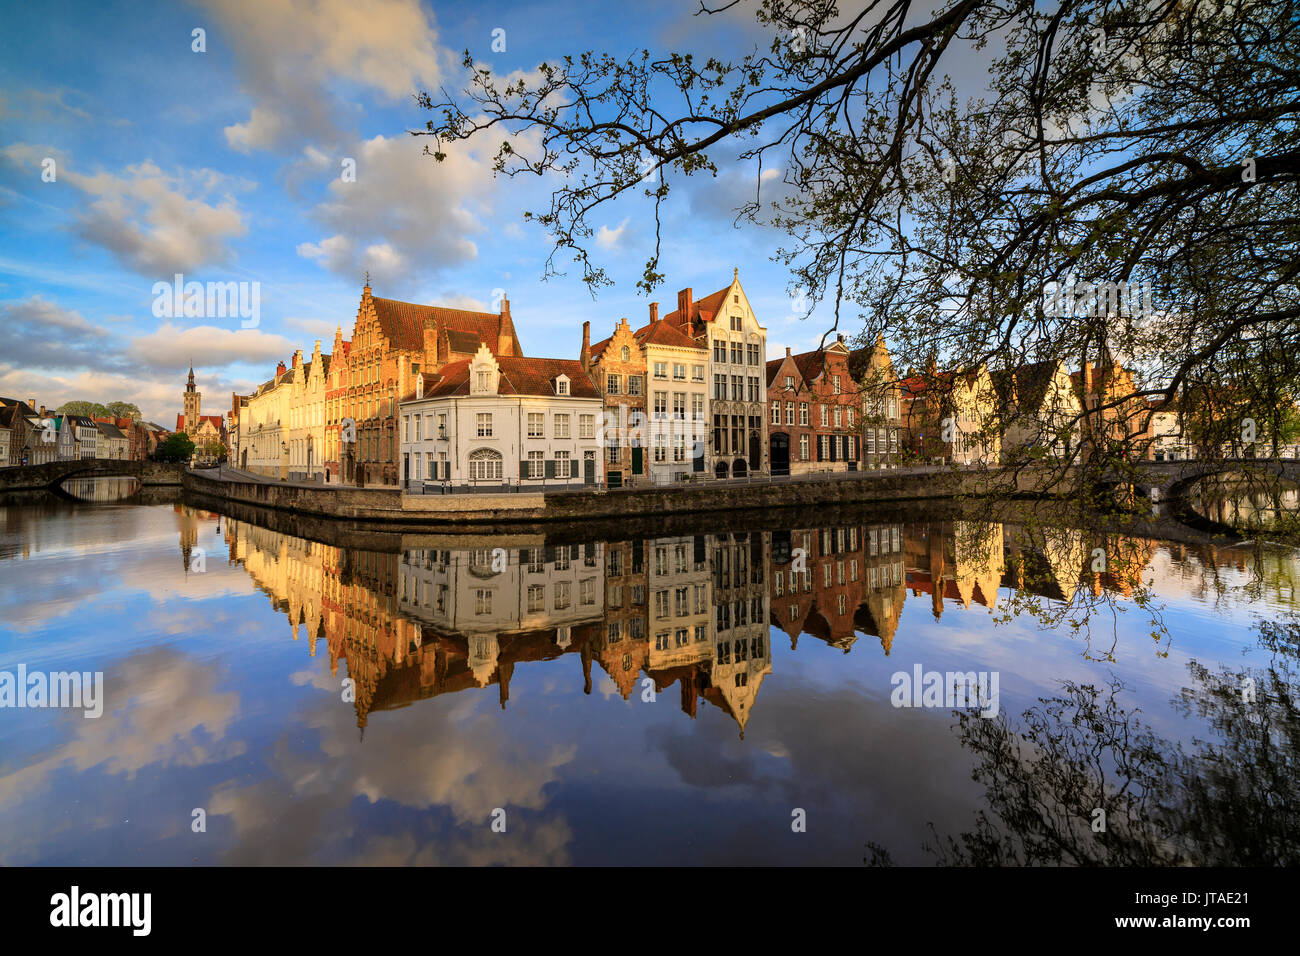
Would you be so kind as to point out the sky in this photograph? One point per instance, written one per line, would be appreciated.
(127, 156)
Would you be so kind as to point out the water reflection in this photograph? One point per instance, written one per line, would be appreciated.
(101, 489)
(373, 697)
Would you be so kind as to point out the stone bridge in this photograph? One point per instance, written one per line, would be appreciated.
(52, 474)
(1163, 480)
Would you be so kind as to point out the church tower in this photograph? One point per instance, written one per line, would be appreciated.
(192, 399)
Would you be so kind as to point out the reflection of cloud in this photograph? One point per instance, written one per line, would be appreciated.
(449, 760)
(156, 702)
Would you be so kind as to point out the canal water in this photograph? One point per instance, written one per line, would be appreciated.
(782, 690)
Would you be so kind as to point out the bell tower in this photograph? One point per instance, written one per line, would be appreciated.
(192, 399)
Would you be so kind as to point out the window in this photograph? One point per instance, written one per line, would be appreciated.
(536, 597)
(697, 373)
(753, 389)
(613, 454)
(736, 320)
(442, 426)
(835, 383)
(679, 372)
(719, 388)
(563, 464)
(625, 355)
(587, 591)
(737, 388)
(838, 417)
(587, 426)
(803, 447)
(536, 464)
(776, 413)
(803, 413)
(536, 425)
(825, 445)
(561, 595)
(612, 383)
(561, 386)
(661, 369)
(561, 426)
(482, 601)
(789, 381)
(697, 407)
(634, 384)
(752, 351)
(485, 465)
(679, 404)
(484, 422)
(483, 379)
(720, 353)
(660, 447)
(661, 604)
(849, 413)
(661, 404)
(825, 415)
(417, 428)
(406, 427)
(661, 641)
(737, 354)
(789, 413)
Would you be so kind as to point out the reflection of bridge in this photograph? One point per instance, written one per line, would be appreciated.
(54, 473)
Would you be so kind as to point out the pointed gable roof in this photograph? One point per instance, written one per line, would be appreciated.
(403, 325)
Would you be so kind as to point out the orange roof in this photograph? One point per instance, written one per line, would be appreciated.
(403, 323)
(663, 333)
(519, 376)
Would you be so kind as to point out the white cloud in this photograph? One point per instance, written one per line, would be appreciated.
(608, 238)
(405, 215)
(154, 223)
(290, 52)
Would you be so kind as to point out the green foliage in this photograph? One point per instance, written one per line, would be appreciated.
(178, 447)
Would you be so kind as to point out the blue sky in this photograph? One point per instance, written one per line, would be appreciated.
(225, 166)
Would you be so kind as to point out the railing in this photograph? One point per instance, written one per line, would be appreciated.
(695, 480)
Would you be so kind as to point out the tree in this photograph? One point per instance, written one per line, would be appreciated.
(124, 410)
(88, 409)
(177, 447)
(1125, 189)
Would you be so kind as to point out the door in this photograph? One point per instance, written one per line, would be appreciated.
(636, 460)
(589, 470)
(780, 454)
(755, 453)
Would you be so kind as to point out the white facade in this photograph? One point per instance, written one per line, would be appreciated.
(677, 403)
(487, 422)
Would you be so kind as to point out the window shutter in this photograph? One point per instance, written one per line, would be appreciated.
(550, 468)
(523, 468)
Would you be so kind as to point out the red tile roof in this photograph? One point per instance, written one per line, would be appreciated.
(519, 376)
(665, 333)
(403, 323)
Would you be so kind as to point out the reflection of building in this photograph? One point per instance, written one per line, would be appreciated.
(742, 651)
(958, 561)
(622, 648)
(833, 583)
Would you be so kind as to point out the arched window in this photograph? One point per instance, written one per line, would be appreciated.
(485, 465)
(626, 355)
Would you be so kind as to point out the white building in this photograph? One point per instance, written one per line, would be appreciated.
(677, 398)
(503, 421)
(737, 348)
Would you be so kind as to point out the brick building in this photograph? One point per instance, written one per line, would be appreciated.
(392, 343)
(815, 412)
(618, 367)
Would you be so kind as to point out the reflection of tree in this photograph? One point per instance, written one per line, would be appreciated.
(1233, 800)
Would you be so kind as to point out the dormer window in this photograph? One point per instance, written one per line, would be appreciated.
(484, 380)
(562, 384)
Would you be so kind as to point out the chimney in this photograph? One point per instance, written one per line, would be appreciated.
(297, 358)
(584, 357)
(685, 305)
(31, 403)
(430, 345)
(506, 335)
(654, 312)
(44, 413)
(280, 369)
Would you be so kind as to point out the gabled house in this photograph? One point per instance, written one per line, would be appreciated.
(1040, 411)
(502, 420)
(952, 417)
